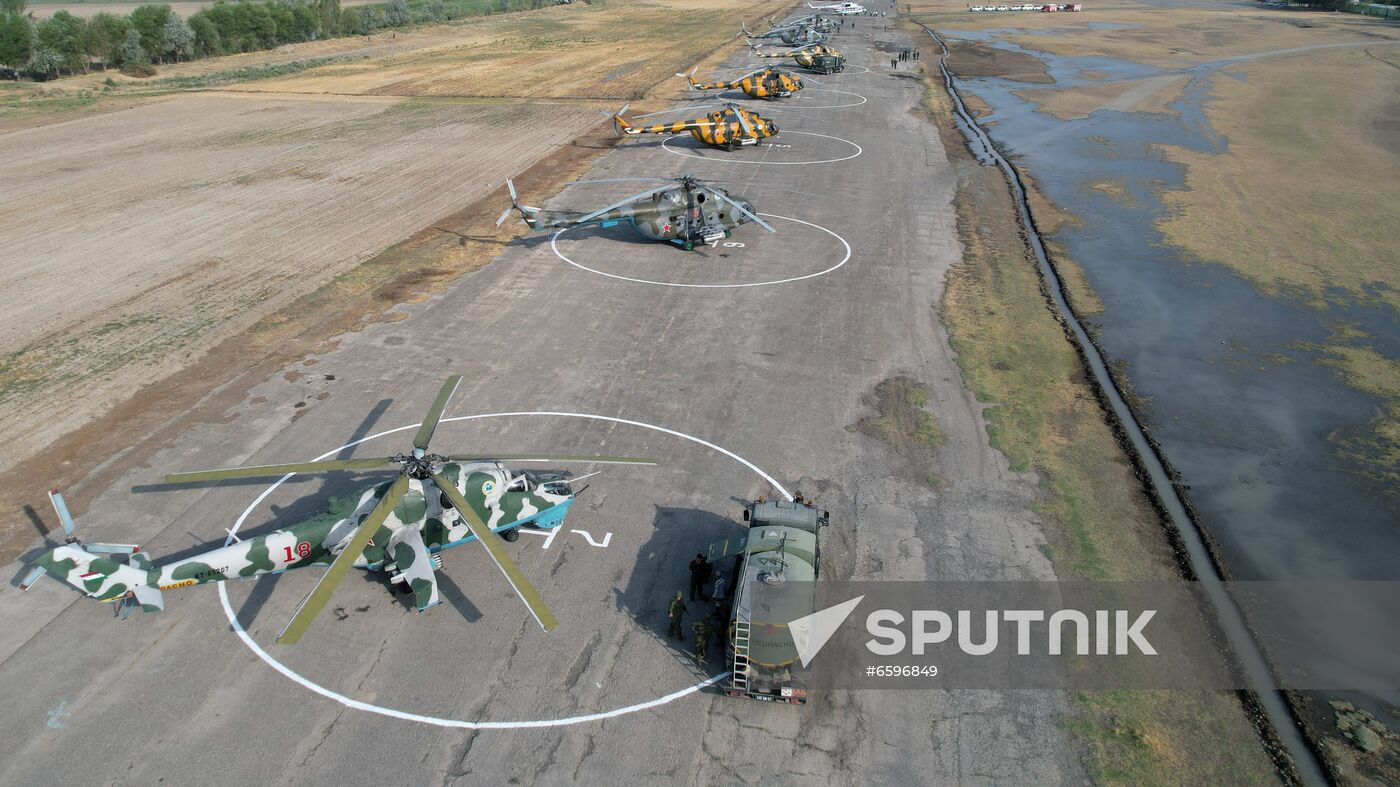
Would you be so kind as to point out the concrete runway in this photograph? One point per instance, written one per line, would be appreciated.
(774, 373)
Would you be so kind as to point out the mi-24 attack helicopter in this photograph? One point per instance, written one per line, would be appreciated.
(683, 211)
(819, 58)
(760, 83)
(730, 126)
(435, 503)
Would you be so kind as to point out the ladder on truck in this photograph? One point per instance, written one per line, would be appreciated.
(739, 674)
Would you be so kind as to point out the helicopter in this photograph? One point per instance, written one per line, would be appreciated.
(819, 57)
(730, 127)
(760, 83)
(792, 35)
(686, 214)
(397, 528)
(819, 23)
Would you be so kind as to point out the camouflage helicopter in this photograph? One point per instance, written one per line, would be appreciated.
(730, 127)
(819, 23)
(792, 35)
(397, 528)
(686, 214)
(760, 83)
(819, 58)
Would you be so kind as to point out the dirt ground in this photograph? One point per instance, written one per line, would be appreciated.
(149, 231)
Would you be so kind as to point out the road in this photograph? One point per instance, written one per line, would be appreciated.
(776, 374)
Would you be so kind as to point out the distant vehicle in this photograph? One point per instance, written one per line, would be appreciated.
(840, 8)
(9, 73)
(780, 547)
(1003, 8)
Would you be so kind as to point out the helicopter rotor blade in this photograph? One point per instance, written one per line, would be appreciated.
(700, 108)
(743, 210)
(617, 180)
(316, 600)
(599, 460)
(509, 570)
(743, 121)
(430, 421)
(621, 203)
(504, 215)
(60, 507)
(255, 471)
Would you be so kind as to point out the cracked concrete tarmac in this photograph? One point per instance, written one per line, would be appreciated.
(775, 374)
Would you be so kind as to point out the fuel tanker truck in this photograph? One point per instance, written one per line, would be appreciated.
(776, 559)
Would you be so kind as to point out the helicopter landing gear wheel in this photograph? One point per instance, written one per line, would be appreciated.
(511, 536)
(689, 245)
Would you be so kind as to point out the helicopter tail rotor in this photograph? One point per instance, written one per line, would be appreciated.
(620, 124)
(527, 213)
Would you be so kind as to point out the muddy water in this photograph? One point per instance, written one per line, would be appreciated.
(1251, 421)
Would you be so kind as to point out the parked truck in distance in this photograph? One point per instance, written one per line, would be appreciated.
(779, 549)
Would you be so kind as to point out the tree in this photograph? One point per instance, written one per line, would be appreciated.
(307, 21)
(45, 63)
(131, 52)
(12, 7)
(207, 41)
(105, 32)
(396, 14)
(149, 21)
(436, 10)
(329, 11)
(66, 35)
(178, 40)
(369, 19)
(16, 40)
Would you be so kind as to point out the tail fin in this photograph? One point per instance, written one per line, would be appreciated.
(129, 584)
(527, 213)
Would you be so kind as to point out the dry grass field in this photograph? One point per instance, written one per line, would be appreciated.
(146, 228)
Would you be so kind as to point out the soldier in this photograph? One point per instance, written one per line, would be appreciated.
(703, 629)
(674, 613)
(699, 575)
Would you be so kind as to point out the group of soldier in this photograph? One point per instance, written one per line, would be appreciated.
(904, 56)
(703, 580)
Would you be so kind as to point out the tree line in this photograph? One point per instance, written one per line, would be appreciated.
(154, 34)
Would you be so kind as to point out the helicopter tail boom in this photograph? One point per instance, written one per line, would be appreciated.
(130, 584)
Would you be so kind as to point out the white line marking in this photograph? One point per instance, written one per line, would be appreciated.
(665, 145)
(553, 244)
(368, 707)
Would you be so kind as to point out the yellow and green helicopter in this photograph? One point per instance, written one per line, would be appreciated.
(819, 57)
(760, 83)
(729, 127)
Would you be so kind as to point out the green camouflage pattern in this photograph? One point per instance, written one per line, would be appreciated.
(422, 524)
(667, 215)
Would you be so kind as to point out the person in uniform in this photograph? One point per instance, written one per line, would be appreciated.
(703, 629)
(674, 613)
(699, 575)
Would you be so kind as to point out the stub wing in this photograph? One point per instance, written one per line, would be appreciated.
(414, 565)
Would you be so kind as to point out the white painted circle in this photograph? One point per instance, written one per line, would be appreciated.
(666, 142)
(745, 96)
(553, 244)
(370, 707)
(847, 70)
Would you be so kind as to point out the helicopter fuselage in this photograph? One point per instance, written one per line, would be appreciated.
(504, 502)
(679, 215)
